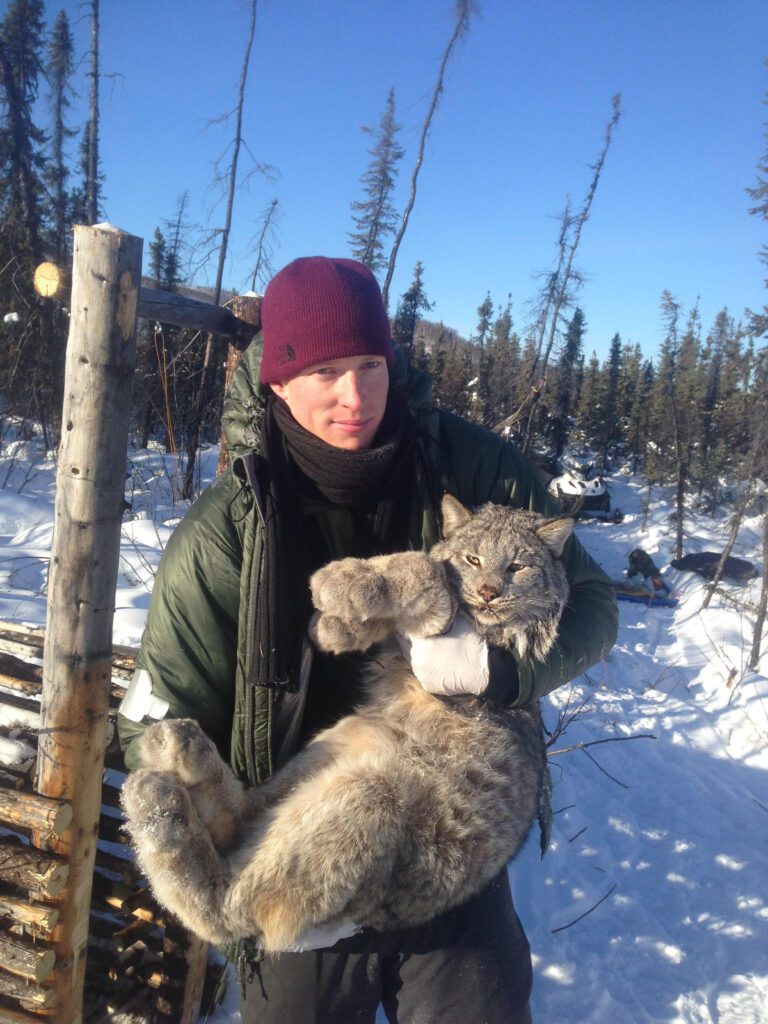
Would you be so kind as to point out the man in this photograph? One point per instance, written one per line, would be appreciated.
(337, 451)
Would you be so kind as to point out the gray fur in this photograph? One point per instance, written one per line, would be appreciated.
(398, 812)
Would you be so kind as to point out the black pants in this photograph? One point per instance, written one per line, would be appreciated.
(471, 965)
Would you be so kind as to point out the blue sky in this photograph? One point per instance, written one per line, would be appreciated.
(522, 117)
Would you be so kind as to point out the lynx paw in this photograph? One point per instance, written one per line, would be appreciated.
(181, 748)
(331, 633)
(352, 590)
(157, 808)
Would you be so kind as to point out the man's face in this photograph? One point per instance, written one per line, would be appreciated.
(341, 401)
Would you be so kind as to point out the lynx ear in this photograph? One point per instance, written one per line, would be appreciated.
(555, 532)
(454, 515)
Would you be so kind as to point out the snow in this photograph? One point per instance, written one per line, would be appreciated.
(651, 904)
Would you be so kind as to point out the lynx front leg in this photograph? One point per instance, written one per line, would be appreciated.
(181, 748)
(186, 872)
(407, 591)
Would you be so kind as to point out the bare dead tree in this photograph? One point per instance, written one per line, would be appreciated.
(736, 521)
(754, 656)
(213, 353)
(565, 273)
(92, 137)
(565, 278)
(262, 267)
(460, 29)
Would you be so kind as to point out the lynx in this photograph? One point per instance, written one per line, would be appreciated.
(401, 810)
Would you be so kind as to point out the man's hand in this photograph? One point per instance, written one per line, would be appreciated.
(452, 663)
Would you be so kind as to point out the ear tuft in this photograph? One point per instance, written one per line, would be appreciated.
(555, 532)
(454, 515)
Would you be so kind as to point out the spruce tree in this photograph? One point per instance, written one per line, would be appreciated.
(375, 217)
(503, 365)
(610, 410)
(58, 70)
(589, 415)
(21, 140)
(628, 392)
(413, 303)
(157, 249)
(484, 320)
(563, 401)
(30, 354)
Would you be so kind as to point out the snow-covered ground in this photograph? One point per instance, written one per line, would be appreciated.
(652, 903)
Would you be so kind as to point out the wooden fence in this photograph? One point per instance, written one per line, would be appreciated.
(80, 936)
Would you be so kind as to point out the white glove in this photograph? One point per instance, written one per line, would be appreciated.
(323, 936)
(454, 662)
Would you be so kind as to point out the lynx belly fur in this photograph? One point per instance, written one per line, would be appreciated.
(401, 810)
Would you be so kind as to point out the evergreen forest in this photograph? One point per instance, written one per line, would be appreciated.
(693, 414)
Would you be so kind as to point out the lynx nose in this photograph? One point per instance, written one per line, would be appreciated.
(487, 593)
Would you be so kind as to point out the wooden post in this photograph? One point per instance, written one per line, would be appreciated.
(100, 361)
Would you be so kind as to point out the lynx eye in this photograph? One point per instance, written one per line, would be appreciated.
(472, 559)
(514, 567)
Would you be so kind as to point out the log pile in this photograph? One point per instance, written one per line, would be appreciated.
(139, 960)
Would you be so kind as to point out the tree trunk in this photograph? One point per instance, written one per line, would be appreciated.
(213, 347)
(736, 521)
(92, 157)
(101, 357)
(462, 24)
(754, 656)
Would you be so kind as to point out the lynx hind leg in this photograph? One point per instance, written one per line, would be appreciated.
(174, 850)
(339, 833)
(180, 747)
(336, 635)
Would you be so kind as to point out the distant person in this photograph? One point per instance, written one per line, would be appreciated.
(642, 567)
(338, 451)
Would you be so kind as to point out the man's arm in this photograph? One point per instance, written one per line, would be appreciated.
(189, 647)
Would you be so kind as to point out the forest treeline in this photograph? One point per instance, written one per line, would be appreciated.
(695, 413)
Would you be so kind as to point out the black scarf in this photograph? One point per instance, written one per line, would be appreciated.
(378, 482)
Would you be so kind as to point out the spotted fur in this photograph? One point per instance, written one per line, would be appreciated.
(401, 810)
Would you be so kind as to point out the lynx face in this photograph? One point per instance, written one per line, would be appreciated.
(504, 563)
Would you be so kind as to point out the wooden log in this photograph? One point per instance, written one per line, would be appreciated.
(130, 902)
(23, 645)
(51, 281)
(35, 963)
(38, 919)
(100, 362)
(184, 966)
(9, 1015)
(32, 688)
(184, 311)
(34, 812)
(28, 868)
(31, 995)
(137, 931)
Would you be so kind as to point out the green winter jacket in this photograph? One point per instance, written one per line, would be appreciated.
(197, 645)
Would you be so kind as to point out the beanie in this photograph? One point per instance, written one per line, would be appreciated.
(317, 309)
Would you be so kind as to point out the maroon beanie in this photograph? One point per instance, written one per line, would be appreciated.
(317, 309)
